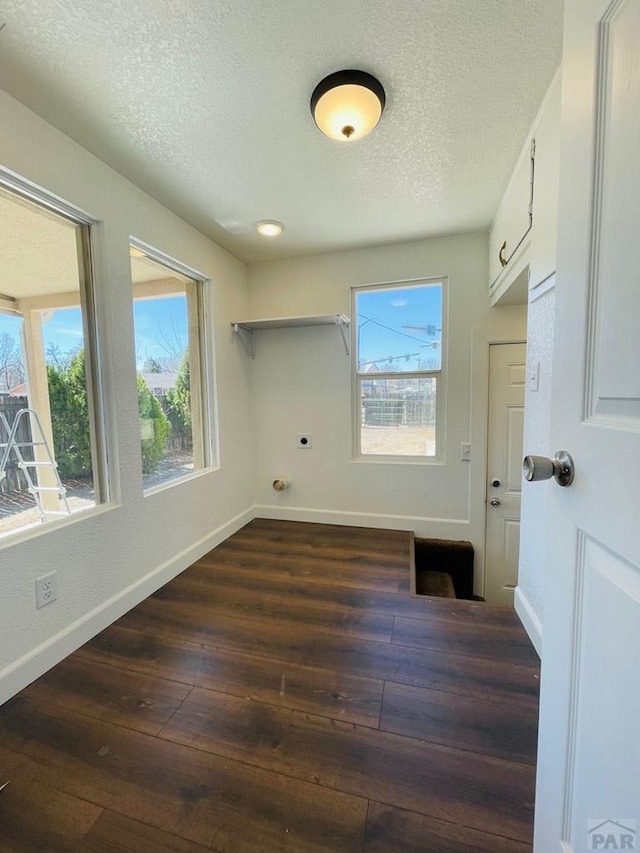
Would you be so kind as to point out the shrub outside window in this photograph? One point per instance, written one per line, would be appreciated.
(399, 369)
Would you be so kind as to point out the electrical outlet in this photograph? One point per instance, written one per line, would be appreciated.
(46, 589)
(304, 442)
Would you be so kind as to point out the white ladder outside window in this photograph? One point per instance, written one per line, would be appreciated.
(10, 445)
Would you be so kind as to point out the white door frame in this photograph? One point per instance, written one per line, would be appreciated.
(490, 473)
(481, 340)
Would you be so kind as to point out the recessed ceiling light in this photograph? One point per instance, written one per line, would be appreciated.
(270, 228)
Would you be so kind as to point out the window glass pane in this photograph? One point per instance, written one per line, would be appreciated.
(47, 442)
(398, 416)
(168, 359)
(399, 329)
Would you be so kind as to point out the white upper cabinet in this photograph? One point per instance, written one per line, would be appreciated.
(545, 192)
(512, 224)
(522, 240)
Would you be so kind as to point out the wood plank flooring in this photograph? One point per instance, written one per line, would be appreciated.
(285, 693)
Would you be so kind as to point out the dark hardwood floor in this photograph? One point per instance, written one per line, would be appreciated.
(285, 693)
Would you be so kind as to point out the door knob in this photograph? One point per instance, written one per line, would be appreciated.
(495, 502)
(561, 467)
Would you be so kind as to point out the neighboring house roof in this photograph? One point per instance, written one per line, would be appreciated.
(372, 367)
(19, 390)
(161, 381)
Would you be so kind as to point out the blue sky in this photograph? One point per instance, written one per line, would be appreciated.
(64, 330)
(395, 323)
(392, 323)
(10, 325)
(154, 320)
(159, 324)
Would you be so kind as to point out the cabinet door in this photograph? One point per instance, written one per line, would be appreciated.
(545, 193)
(513, 219)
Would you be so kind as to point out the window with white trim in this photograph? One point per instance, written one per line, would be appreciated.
(52, 437)
(399, 369)
(171, 362)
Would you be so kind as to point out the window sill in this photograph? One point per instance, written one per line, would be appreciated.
(398, 460)
(178, 481)
(34, 531)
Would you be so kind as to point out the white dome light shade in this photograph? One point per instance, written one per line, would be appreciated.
(347, 105)
(270, 228)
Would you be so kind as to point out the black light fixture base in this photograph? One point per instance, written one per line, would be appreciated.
(348, 77)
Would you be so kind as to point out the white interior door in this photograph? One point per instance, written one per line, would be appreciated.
(507, 373)
(588, 794)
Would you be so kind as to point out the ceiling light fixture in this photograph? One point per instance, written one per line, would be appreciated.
(347, 105)
(270, 228)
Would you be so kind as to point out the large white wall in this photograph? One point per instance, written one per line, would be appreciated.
(116, 555)
(301, 382)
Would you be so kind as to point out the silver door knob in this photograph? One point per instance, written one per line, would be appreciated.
(561, 467)
(495, 502)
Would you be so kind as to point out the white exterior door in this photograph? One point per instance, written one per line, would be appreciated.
(588, 794)
(507, 372)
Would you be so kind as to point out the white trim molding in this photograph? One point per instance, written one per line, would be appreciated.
(530, 621)
(438, 528)
(543, 287)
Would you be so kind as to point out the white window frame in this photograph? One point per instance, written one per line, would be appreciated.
(100, 436)
(439, 375)
(207, 421)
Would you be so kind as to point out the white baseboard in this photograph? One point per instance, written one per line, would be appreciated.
(529, 619)
(36, 662)
(437, 528)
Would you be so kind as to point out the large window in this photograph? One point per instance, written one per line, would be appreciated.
(399, 369)
(168, 307)
(52, 460)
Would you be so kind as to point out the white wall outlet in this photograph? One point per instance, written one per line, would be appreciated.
(303, 442)
(46, 589)
(465, 451)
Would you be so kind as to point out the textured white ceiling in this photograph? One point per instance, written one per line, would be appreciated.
(205, 105)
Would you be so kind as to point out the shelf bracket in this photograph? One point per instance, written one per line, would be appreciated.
(246, 338)
(246, 330)
(343, 326)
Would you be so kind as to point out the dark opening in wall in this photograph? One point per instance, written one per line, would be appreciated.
(444, 568)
